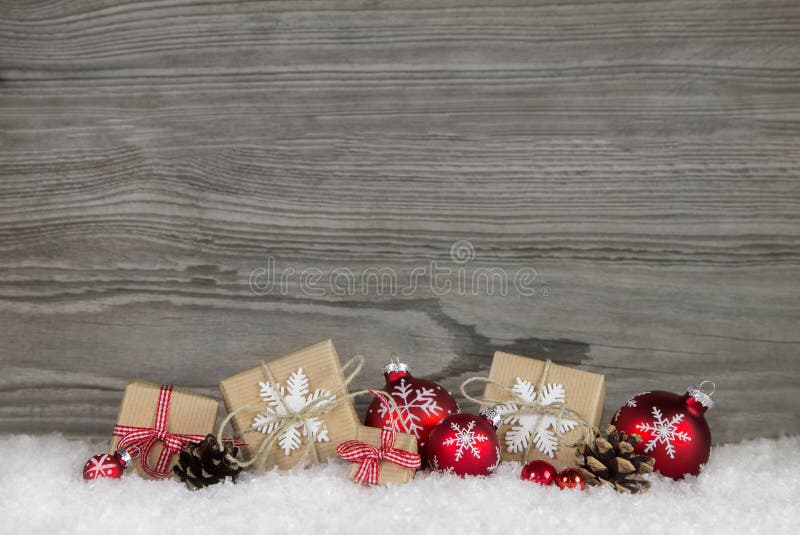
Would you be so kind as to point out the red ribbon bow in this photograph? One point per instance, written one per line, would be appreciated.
(369, 457)
(144, 438)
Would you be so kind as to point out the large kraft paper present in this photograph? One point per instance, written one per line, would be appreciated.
(257, 399)
(163, 419)
(526, 435)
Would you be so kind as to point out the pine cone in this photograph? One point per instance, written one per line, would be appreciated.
(610, 460)
(205, 463)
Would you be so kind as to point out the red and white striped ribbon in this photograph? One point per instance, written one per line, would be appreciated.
(144, 438)
(369, 457)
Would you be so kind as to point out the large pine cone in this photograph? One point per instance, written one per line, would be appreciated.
(609, 460)
(205, 463)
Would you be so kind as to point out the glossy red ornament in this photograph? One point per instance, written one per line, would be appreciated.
(673, 429)
(540, 472)
(422, 404)
(570, 478)
(105, 465)
(465, 444)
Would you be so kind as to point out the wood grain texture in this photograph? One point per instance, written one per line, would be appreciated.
(642, 157)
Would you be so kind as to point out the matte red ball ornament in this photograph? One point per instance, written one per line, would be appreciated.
(570, 478)
(465, 444)
(673, 428)
(540, 472)
(422, 404)
(105, 465)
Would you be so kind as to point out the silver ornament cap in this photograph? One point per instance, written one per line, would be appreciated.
(697, 393)
(492, 416)
(395, 366)
(124, 457)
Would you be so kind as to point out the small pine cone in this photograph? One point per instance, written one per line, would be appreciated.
(205, 463)
(610, 460)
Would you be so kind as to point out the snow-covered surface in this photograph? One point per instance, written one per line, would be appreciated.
(747, 488)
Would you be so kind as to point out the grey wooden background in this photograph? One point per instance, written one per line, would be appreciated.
(642, 157)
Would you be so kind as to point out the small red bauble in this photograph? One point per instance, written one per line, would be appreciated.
(422, 404)
(540, 472)
(570, 478)
(464, 444)
(673, 429)
(106, 465)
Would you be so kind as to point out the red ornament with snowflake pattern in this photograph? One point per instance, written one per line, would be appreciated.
(673, 429)
(422, 404)
(465, 444)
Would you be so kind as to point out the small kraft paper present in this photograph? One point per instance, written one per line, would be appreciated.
(292, 410)
(545, 409)
(381, 456)
(156, 421)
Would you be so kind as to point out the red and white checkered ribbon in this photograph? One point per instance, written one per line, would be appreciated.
(369, 457)
(144, 438)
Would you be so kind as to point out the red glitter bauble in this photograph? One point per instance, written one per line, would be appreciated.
(540, 472)
(464, 444)
(570, 478)
(673, 429)
(422, 404)
(105, 465)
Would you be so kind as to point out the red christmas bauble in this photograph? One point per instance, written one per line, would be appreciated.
(673, 429)
(422, 404)
(570, 478)
(464, 444)
(105, 465)
(540, 472)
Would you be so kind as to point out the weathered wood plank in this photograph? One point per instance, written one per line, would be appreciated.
(642, 157)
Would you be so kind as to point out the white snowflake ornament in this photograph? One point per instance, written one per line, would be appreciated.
(534, 429)
(465, 444)
(664, 431)
(413, 403)
(465, 440)
(291, 399)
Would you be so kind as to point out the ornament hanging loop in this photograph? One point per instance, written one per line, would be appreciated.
(706, 382)
(133, 451)
(395, 365)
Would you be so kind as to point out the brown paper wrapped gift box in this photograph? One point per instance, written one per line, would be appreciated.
(189, 413)
(321, 365)
(388, 472)
(585, 394)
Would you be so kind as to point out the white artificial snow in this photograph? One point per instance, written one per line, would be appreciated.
(746, 488)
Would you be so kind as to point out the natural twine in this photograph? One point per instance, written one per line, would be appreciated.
(317, 408)
(535, 407)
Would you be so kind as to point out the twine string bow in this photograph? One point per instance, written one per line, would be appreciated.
(520, 407)
(369, 457)
(140, 440)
